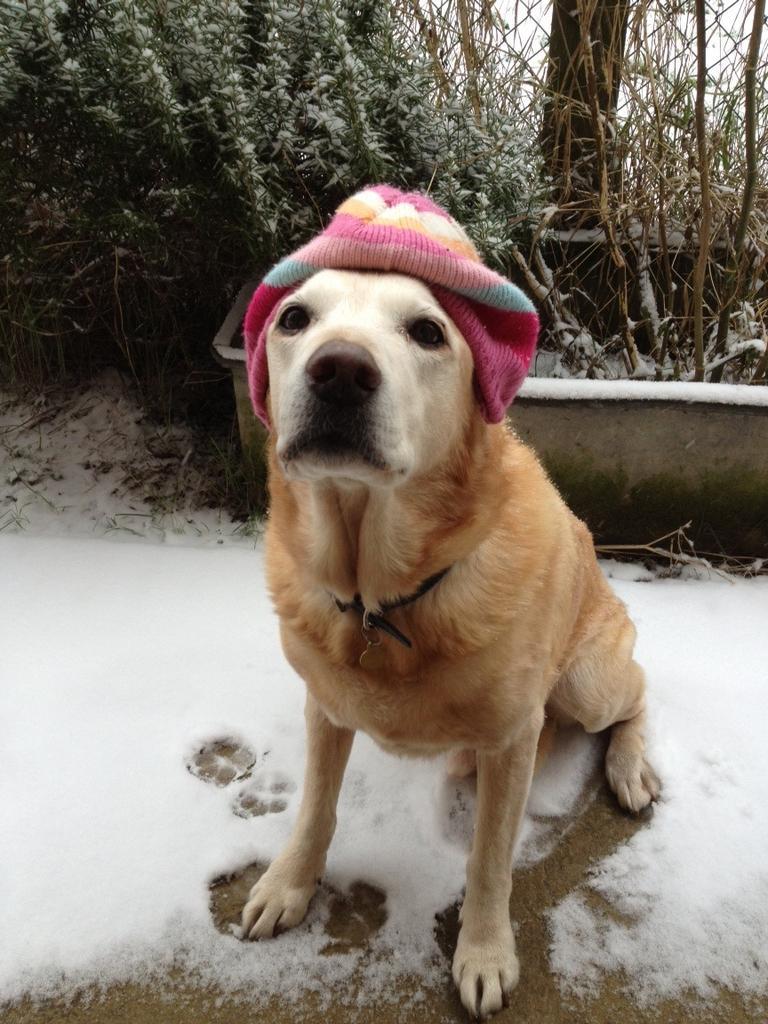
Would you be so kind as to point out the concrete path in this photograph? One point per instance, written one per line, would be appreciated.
(589, 836)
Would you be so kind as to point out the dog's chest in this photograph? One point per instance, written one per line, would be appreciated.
(424, 713)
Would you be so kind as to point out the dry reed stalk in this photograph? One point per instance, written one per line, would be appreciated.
(705, 221)
(597, 116)
(750, 184)
(469, 53)
(431, 39)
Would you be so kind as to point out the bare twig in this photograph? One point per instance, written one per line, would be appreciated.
(674, 554)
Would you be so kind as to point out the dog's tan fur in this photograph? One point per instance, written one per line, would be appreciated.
(523, 627)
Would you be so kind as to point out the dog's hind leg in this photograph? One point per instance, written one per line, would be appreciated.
(604, 687)
(629, 775)
(280, 898)
(462, 762)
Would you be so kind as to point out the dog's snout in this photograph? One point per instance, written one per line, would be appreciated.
(342, 373)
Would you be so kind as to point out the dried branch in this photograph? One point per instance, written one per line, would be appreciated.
(674, 554)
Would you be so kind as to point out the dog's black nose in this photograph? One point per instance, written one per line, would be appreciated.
(342, 373)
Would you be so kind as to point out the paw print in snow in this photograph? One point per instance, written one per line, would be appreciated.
(354, 917)
(265, 794)
(223, 761)
(226, 760)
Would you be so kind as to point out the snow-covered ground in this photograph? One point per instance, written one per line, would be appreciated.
(90, 463)
(121, 662)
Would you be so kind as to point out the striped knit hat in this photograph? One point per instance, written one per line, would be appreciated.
(384, 229)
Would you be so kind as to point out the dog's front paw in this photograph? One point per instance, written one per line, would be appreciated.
(278, 901)
(485, 969)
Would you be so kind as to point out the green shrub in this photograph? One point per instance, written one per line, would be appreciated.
(154, 154)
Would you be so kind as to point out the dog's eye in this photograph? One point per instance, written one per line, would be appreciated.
(295, 318)
(427, 333)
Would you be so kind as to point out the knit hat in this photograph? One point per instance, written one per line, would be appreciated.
(384, 229)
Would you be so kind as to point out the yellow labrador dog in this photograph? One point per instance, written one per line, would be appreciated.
(496, 616)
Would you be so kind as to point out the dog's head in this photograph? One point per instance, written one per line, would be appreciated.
(369, 379)
(370, 347)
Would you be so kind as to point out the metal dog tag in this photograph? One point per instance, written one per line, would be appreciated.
(373, 657)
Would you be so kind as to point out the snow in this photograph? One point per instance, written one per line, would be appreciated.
(121, 661)
(691, 891)
(92, 464)
(552, 389)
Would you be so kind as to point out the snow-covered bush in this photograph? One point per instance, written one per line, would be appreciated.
(156, 153)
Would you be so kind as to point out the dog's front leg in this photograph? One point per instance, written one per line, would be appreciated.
(280, 898)
(485, 966)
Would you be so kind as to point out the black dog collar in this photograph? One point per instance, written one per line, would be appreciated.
(376, 620)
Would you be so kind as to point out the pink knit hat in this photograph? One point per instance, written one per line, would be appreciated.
(384, 229)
